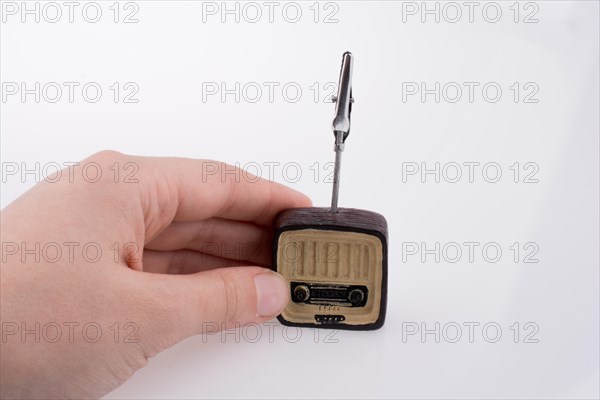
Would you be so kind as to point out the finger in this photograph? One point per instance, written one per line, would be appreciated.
(183, 262)
(223, 238)
(179, 189)
(209, 301)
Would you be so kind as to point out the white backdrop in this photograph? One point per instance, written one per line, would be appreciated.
(475, 127)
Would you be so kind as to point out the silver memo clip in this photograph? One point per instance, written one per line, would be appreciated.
(341, 122)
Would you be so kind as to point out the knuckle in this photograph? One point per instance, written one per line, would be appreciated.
(231, 298)
(105, 156)
(108, 170)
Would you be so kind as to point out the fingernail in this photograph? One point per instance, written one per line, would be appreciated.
(271, 294)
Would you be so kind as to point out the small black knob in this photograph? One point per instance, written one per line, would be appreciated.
(301, 293)
(356, 296)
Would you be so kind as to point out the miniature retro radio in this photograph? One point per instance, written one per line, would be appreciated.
(335, 259)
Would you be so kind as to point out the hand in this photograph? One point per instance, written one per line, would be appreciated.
(97, 277)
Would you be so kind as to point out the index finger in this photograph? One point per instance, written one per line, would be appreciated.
(191, 190)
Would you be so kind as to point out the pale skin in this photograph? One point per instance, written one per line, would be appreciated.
(193, 251)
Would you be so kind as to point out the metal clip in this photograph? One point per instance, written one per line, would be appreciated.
(344, 100)
(341, 122)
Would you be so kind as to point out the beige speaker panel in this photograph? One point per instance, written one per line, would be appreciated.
(332, 257)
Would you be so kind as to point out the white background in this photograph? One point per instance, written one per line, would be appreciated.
(175, 49)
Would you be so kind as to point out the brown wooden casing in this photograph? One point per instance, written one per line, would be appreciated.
(316, 246)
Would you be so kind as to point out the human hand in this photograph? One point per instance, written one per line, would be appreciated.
(77, 323)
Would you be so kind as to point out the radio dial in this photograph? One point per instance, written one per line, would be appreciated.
(301, 293)
(356, 296)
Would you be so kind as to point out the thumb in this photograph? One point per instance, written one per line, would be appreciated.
(217, 299)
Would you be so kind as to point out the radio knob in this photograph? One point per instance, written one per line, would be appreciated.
(301, 293)
(356, 296)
